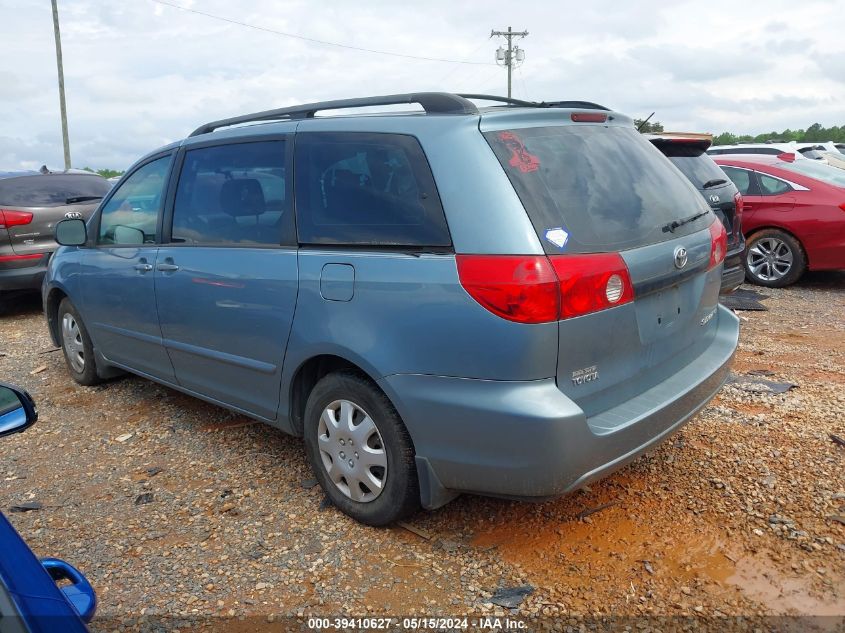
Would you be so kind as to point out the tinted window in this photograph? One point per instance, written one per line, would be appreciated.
(232, 194)
(740, 177)
(367, 189)
(131, 214)
(772, 186)
(697, 166)
(595, 188)
(50, 190)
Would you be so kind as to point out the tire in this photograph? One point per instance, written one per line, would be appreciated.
(774, 259)
(360, 486)
(76, 345)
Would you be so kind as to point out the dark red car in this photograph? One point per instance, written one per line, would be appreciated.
(793, 217)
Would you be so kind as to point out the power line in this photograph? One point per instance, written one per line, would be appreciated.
(454, 68)
(314, 40)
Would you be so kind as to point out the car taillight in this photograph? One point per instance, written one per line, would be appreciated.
(591, 282)
(738, 205)
(539, 289)
(842, 206)
(9, 218)
(718, 243)
(515, 287)
(15, 258)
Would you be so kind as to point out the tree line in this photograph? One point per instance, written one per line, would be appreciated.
(816, 133)
(105, 173)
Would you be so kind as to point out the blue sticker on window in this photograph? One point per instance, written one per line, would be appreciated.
(557, 236)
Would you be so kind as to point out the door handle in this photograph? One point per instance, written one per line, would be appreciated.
(144, 268)
(167, 268)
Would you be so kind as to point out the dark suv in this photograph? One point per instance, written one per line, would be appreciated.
(688, 152)
(31, 203)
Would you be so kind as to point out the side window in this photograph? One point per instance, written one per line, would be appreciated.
(366, 189)
(772, 186)
(131, 214)
(232, 194)
(741, 178)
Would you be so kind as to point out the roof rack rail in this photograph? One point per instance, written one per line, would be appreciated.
(508, 100)
(536, 104)
(431, 102)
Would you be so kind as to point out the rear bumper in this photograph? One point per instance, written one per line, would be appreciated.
(733, 273)
(527, 439)
(24, 278)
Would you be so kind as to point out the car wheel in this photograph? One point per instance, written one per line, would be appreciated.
(774, 258)
(77, 346)
(360, 450)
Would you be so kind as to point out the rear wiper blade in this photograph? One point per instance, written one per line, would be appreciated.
(670, 228)
(76, 199)
(713, 183)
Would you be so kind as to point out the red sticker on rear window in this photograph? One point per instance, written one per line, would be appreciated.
(520, 157)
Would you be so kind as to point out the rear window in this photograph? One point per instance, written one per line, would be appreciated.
(366, 189)
(594, 188)
(697, 166)
(50, 190)
(820, 171)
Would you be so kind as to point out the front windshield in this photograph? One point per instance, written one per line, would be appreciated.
(819, 171)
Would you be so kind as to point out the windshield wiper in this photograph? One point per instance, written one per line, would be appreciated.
(713, 183)
(76, 199)
(670, 228)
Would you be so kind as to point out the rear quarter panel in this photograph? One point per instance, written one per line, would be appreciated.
(410, 314)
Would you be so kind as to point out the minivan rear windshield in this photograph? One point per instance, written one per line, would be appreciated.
(50, 190)
(592, 188)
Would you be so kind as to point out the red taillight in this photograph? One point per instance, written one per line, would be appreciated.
(9, 218)
(538, 289)
(15, 258)
(738, 205)
(592, 282)
(588, 117)
(718, 243)
(514, 287)
(788, 157)
(842, 206)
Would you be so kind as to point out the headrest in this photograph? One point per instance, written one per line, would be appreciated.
(242, 196)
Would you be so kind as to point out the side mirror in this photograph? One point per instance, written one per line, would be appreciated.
(126, 235)
(17, 410)
(71, 232)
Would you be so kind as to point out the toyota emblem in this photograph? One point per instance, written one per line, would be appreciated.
(680, 257)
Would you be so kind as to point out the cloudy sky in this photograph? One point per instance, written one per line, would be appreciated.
(140, 74)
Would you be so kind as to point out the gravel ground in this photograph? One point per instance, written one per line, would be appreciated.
(176, 508)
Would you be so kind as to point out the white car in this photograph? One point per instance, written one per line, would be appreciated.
(759, 148)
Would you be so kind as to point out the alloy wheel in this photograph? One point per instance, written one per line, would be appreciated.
(770, 259)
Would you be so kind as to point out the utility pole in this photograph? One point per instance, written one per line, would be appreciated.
(507, 57)
(62, 106)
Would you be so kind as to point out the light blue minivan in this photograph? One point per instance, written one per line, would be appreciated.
(508, 300)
